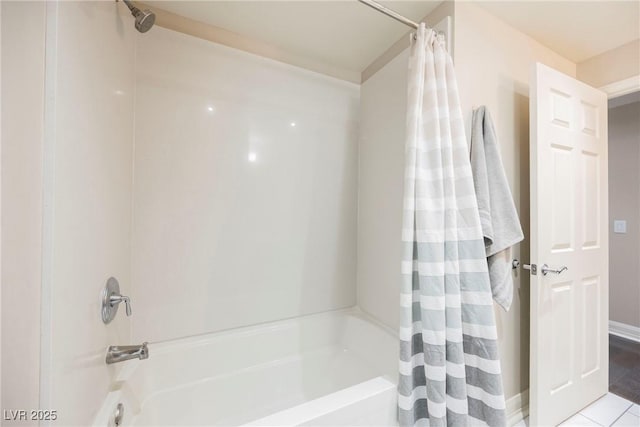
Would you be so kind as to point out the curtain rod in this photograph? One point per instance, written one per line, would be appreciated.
(392, 13)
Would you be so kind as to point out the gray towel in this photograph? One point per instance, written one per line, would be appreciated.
(500, 223)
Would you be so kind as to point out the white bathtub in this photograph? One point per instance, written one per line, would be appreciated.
(329, 369)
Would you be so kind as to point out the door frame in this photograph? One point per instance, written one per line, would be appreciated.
(622, 87)
(614, 90)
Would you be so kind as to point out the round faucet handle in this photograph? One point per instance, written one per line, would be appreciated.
(110, 299)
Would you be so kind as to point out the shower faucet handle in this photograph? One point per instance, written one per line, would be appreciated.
(115, 299)
(110, 300)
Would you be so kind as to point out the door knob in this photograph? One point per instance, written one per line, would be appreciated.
(545, 270)
(531, 267)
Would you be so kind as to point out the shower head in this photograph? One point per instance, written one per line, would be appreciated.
(144, 18)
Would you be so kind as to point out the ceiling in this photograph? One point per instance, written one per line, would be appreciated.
(577, 30)
(344, 34)
(347, 35)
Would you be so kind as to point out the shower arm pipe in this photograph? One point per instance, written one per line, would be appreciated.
(129, 4)
(391, 13)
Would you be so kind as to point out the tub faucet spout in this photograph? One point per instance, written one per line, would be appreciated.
(120, 353)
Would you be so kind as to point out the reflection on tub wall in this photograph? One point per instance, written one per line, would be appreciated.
(244, 189)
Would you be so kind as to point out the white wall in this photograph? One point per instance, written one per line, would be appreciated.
(493, 65)
(23, 26)
(87, 216)
(624, 204)
(221, 241)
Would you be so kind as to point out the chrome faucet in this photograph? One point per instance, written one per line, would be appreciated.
(117, 299)
(120, 353)
(111, 299)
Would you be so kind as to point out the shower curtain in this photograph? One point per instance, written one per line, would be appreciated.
(449, 365)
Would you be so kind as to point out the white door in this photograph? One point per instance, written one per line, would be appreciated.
(569, 216)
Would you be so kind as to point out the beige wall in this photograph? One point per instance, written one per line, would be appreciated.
(624, 204)
(611, 66)
(23, 26)
(493, 65)
(88, 188)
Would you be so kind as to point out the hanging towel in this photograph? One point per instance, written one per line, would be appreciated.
(500, 223)
(450, 372)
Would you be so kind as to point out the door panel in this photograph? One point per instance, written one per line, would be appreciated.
(590, 326)
(569, 311)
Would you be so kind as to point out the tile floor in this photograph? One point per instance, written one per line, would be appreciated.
(610, 410)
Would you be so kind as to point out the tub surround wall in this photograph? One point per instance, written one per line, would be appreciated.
(446, 8)
(87, 215)
(383, 103)
(22, 133)
(493, 66)
(624, 203)
(381, 170)
(245, 190)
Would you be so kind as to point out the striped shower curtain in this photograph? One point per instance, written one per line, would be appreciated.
(449, 364)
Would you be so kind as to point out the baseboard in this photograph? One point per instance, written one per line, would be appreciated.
(623, 330)
(517, 408)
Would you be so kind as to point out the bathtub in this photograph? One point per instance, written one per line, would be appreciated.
(330, 369)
